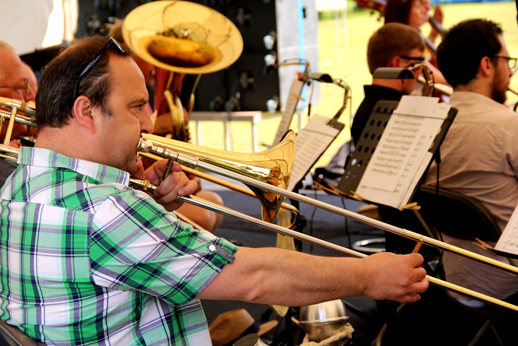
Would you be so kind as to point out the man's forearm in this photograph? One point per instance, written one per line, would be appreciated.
(275, 276)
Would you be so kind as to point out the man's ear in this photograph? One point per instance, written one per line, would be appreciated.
(486, 66)
(82, 112)
(395, 61)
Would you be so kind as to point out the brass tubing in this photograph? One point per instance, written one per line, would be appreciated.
(10, 126)
(322, 243)
(330, 246)
(195, 162)
(19, 118)
(24, 107)
(222, 182)
(200, 164)
(145, 185)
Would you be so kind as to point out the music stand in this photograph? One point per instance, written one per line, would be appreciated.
(314, 139)
(367, 146)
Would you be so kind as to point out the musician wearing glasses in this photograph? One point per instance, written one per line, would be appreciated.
(479, 156)
(392, 45)
(14, 84)
(414, 13)
(88, 260)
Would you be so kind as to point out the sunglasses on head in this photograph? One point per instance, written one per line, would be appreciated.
(95, 60)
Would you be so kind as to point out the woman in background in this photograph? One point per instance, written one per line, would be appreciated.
(414, 13)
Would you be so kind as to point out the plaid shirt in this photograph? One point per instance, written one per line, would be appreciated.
(87, 260)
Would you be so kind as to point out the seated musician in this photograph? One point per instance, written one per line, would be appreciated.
(479, 156)
(392, 45)
(414, 13)
(163, 125)
(14, 84)
(89, 260)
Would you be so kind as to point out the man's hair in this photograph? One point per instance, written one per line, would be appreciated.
(391, 40)
(55, 97)
(398, 11)
(465, 44)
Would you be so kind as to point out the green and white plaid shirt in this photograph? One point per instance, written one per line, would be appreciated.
(86, 260)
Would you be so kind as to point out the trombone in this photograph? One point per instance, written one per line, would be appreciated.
(255, 170)
(29, 119)
(196, 157)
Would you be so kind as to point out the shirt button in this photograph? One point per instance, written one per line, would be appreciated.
(212, 248)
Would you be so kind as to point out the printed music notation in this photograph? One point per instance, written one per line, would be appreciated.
(289, 110)
(508, 241)
(402, 154)
(312, 141)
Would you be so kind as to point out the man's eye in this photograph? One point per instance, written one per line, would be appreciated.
(138, 108)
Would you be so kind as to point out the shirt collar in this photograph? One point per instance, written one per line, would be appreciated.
(473, 97)
(47, 158)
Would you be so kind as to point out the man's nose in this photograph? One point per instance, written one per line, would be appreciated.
(146, 124)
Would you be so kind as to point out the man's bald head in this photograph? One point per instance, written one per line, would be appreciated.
(12, 73)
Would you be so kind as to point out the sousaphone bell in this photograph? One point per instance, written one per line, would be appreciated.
(187, 39)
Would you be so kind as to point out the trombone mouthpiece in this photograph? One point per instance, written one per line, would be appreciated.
(144, 145)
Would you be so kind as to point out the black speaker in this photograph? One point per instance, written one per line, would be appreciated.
(247, 84)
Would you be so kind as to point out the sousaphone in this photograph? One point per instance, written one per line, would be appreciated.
(187, 39)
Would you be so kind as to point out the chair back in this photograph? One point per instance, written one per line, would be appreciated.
(456, 214)
(15, 337)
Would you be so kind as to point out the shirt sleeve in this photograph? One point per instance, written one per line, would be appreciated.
(137, 245)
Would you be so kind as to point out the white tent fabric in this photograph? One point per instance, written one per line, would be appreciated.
(28, 25)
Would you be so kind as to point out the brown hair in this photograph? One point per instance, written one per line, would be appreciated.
(464, 46)
(55, 97)
(391, 40)
(398, 11)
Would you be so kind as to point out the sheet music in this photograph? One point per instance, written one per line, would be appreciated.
(402, 155)
(312, 141)
(291, 107)
(508, 241)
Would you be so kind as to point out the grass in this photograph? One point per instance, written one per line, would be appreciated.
(350, 65)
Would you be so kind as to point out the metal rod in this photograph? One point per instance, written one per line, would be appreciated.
(19, 118)
(145, 185)
(330, 246)
(199, 164)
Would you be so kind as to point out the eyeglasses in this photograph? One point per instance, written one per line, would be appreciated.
(22, 90)
(511, 62)
(94, 61)
(417, 58)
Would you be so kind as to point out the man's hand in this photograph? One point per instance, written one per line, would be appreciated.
(18, 130)
(437, 14)
(394, 277)
(175, 184)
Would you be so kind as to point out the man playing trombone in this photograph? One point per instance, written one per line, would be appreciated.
(88, 260)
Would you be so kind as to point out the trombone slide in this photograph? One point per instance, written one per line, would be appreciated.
(192, 160)
(330, 246)
(261, 186)
(145, 185)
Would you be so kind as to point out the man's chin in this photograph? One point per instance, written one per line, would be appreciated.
(136, 169)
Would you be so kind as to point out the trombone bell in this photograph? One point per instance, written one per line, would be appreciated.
(272, 166)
